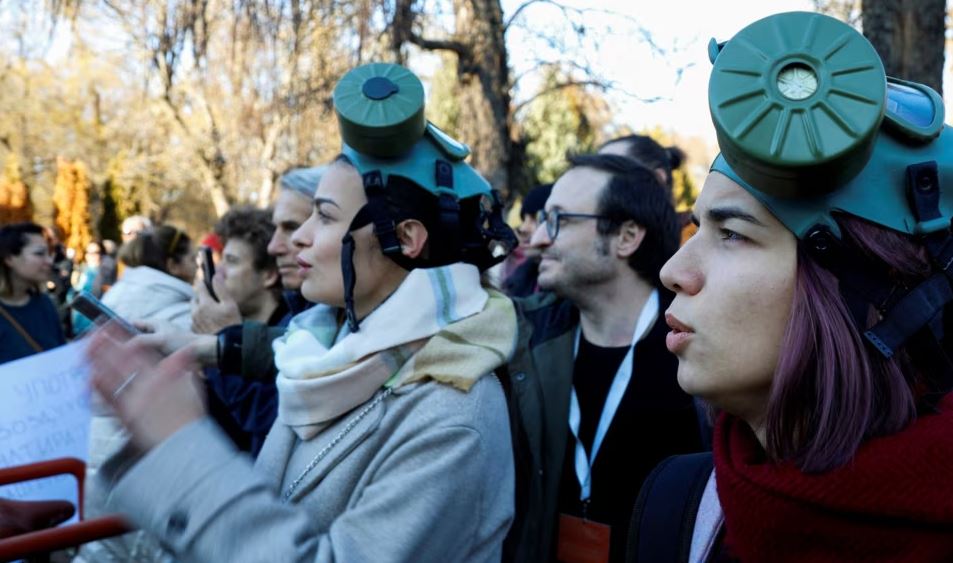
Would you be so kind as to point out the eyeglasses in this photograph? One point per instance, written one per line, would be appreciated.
(552, 220)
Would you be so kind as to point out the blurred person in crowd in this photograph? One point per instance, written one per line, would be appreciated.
(156, 285)
(84, 280)
(246, 275)
(133, 225)
(60, 282)
(812, 309)
(29, 322)
(246, 281)
(389, 417)
(594, 388)
(110, 248)
(239, 359)
(521, 280)
(108, 268)
(214, 243)
(661, 160)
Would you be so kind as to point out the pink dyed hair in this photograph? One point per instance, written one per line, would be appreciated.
(831, 391)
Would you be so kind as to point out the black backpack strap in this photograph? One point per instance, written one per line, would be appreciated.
(664, 517)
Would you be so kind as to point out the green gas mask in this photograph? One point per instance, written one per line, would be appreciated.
(403, 158)
(809, 124)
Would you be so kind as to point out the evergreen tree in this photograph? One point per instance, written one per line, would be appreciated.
(15, 203)
(63, 195)
(80, 235)
(21, 204)
(112, 216)
(6, 210)
(558, 122)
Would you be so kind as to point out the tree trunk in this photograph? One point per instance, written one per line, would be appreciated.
(484, 88)
(269, 148)
(909, 36)
(217, 192)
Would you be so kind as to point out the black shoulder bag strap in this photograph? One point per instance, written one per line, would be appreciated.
(663, 520)
(19, 328)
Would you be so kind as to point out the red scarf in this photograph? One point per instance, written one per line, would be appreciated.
(892, 502)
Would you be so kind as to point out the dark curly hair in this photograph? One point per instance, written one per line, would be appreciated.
(253, 226)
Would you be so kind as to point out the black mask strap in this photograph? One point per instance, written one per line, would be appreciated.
(448, 215)
(350, 279)
(385, 228)
(862, 282)
(925, 304)
(496, 230)
(905, 311)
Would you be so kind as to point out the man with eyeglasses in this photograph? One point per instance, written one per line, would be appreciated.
(596, 404)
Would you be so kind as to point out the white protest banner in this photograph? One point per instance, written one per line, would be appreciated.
(44, 414)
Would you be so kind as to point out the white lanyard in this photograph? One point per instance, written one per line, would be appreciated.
(619, 384)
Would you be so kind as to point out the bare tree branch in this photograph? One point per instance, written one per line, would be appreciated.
(439, 45)
(601, 85)
(518, 11)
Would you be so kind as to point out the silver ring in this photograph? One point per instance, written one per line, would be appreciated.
(125, 384)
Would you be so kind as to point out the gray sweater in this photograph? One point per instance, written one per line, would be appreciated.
(427, 475)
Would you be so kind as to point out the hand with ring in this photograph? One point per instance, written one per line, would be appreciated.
(153, 396)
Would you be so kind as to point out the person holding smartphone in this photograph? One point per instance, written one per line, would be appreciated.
(246, 279)
(155, 286)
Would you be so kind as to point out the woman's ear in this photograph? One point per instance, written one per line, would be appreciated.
(412, 235)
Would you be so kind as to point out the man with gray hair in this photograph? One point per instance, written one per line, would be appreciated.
(292, 208)
(134, 225)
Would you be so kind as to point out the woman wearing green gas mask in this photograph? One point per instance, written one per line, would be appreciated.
(392, 441)
(813, 310)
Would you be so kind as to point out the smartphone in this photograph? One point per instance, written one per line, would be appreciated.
(208, 270)
(93, 309)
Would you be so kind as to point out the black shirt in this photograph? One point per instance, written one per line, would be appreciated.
(654, 420)
(592, 376)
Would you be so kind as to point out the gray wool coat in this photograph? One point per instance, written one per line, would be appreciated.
(427, 475)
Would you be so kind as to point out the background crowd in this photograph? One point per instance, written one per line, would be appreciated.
(378, 367)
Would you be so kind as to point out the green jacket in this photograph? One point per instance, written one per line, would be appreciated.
(542, 349)
(655, 420)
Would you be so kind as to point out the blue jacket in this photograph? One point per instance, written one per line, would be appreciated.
(242, 397)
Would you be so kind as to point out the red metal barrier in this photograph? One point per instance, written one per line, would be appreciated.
(52, 539)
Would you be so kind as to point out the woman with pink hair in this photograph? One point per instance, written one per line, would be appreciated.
(812, 310)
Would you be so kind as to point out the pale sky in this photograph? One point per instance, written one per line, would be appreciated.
(685, 24)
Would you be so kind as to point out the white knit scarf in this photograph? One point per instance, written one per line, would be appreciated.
(325, 371)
